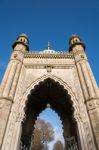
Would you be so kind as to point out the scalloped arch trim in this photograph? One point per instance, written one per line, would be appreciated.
(56, 79)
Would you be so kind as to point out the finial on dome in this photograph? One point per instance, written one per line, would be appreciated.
(49, 45)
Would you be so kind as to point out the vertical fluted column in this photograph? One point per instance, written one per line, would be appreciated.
(85, 80)
(88, 85)
(82, 81)
(9, 85)
(17, 134)
(94, 84)
(3, 84)
(8, 92)
(10, 79)
(91, 97)
(15, 81)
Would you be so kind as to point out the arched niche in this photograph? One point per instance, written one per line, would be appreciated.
(49, 91)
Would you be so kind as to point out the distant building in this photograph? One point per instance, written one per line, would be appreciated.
(60, 80)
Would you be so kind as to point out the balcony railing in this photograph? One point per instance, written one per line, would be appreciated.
(71, 143)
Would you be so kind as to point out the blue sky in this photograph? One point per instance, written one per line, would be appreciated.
(50, 20)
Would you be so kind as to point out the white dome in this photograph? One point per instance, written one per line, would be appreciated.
(48, 51)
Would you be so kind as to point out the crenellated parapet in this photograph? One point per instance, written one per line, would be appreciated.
(65, 55)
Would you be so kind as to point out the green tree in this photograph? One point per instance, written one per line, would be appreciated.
(43, 133)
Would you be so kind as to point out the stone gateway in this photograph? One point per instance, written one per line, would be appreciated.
(62, 80)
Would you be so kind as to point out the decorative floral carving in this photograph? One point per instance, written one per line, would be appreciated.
(88, 136)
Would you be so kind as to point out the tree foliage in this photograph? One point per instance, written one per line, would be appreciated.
(43, 133)
(58, 145)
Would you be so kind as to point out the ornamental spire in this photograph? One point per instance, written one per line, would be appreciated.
(49, 45)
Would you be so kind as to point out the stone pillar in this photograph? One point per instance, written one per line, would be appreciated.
(5, 107)
(81, 136)
(9, 83)
(88, 84)
(15, 144)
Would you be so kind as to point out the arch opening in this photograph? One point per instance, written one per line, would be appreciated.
(50, 127)
(49, 92)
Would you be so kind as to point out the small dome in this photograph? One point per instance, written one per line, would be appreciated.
(74, 39)
(22, 39)
(23, 35)
(74, 35)
(48, 51)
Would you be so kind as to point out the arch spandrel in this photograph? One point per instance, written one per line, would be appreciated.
(69, 90)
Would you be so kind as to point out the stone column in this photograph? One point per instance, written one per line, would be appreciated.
(81, 136)
(90, 92)
(10, 79)
(15, 144)
(88, 85)
(5, 107)
(15, 81)
(8, 93)
(3, 83)
(9, 84)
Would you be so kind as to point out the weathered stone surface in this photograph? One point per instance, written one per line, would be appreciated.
(70, 70)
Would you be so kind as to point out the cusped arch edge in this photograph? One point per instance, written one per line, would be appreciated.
(56, 79)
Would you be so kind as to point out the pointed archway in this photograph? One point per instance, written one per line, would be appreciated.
(48, 92)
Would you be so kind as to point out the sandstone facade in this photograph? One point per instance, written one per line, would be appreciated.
(68, 72)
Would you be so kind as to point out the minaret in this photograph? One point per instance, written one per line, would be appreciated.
(20, 47)
(10, 80)
(87, 82)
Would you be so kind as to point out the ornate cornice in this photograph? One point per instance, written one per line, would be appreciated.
(66, 55)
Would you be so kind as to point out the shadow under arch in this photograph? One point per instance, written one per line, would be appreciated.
(50, 92)
(66, 86)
